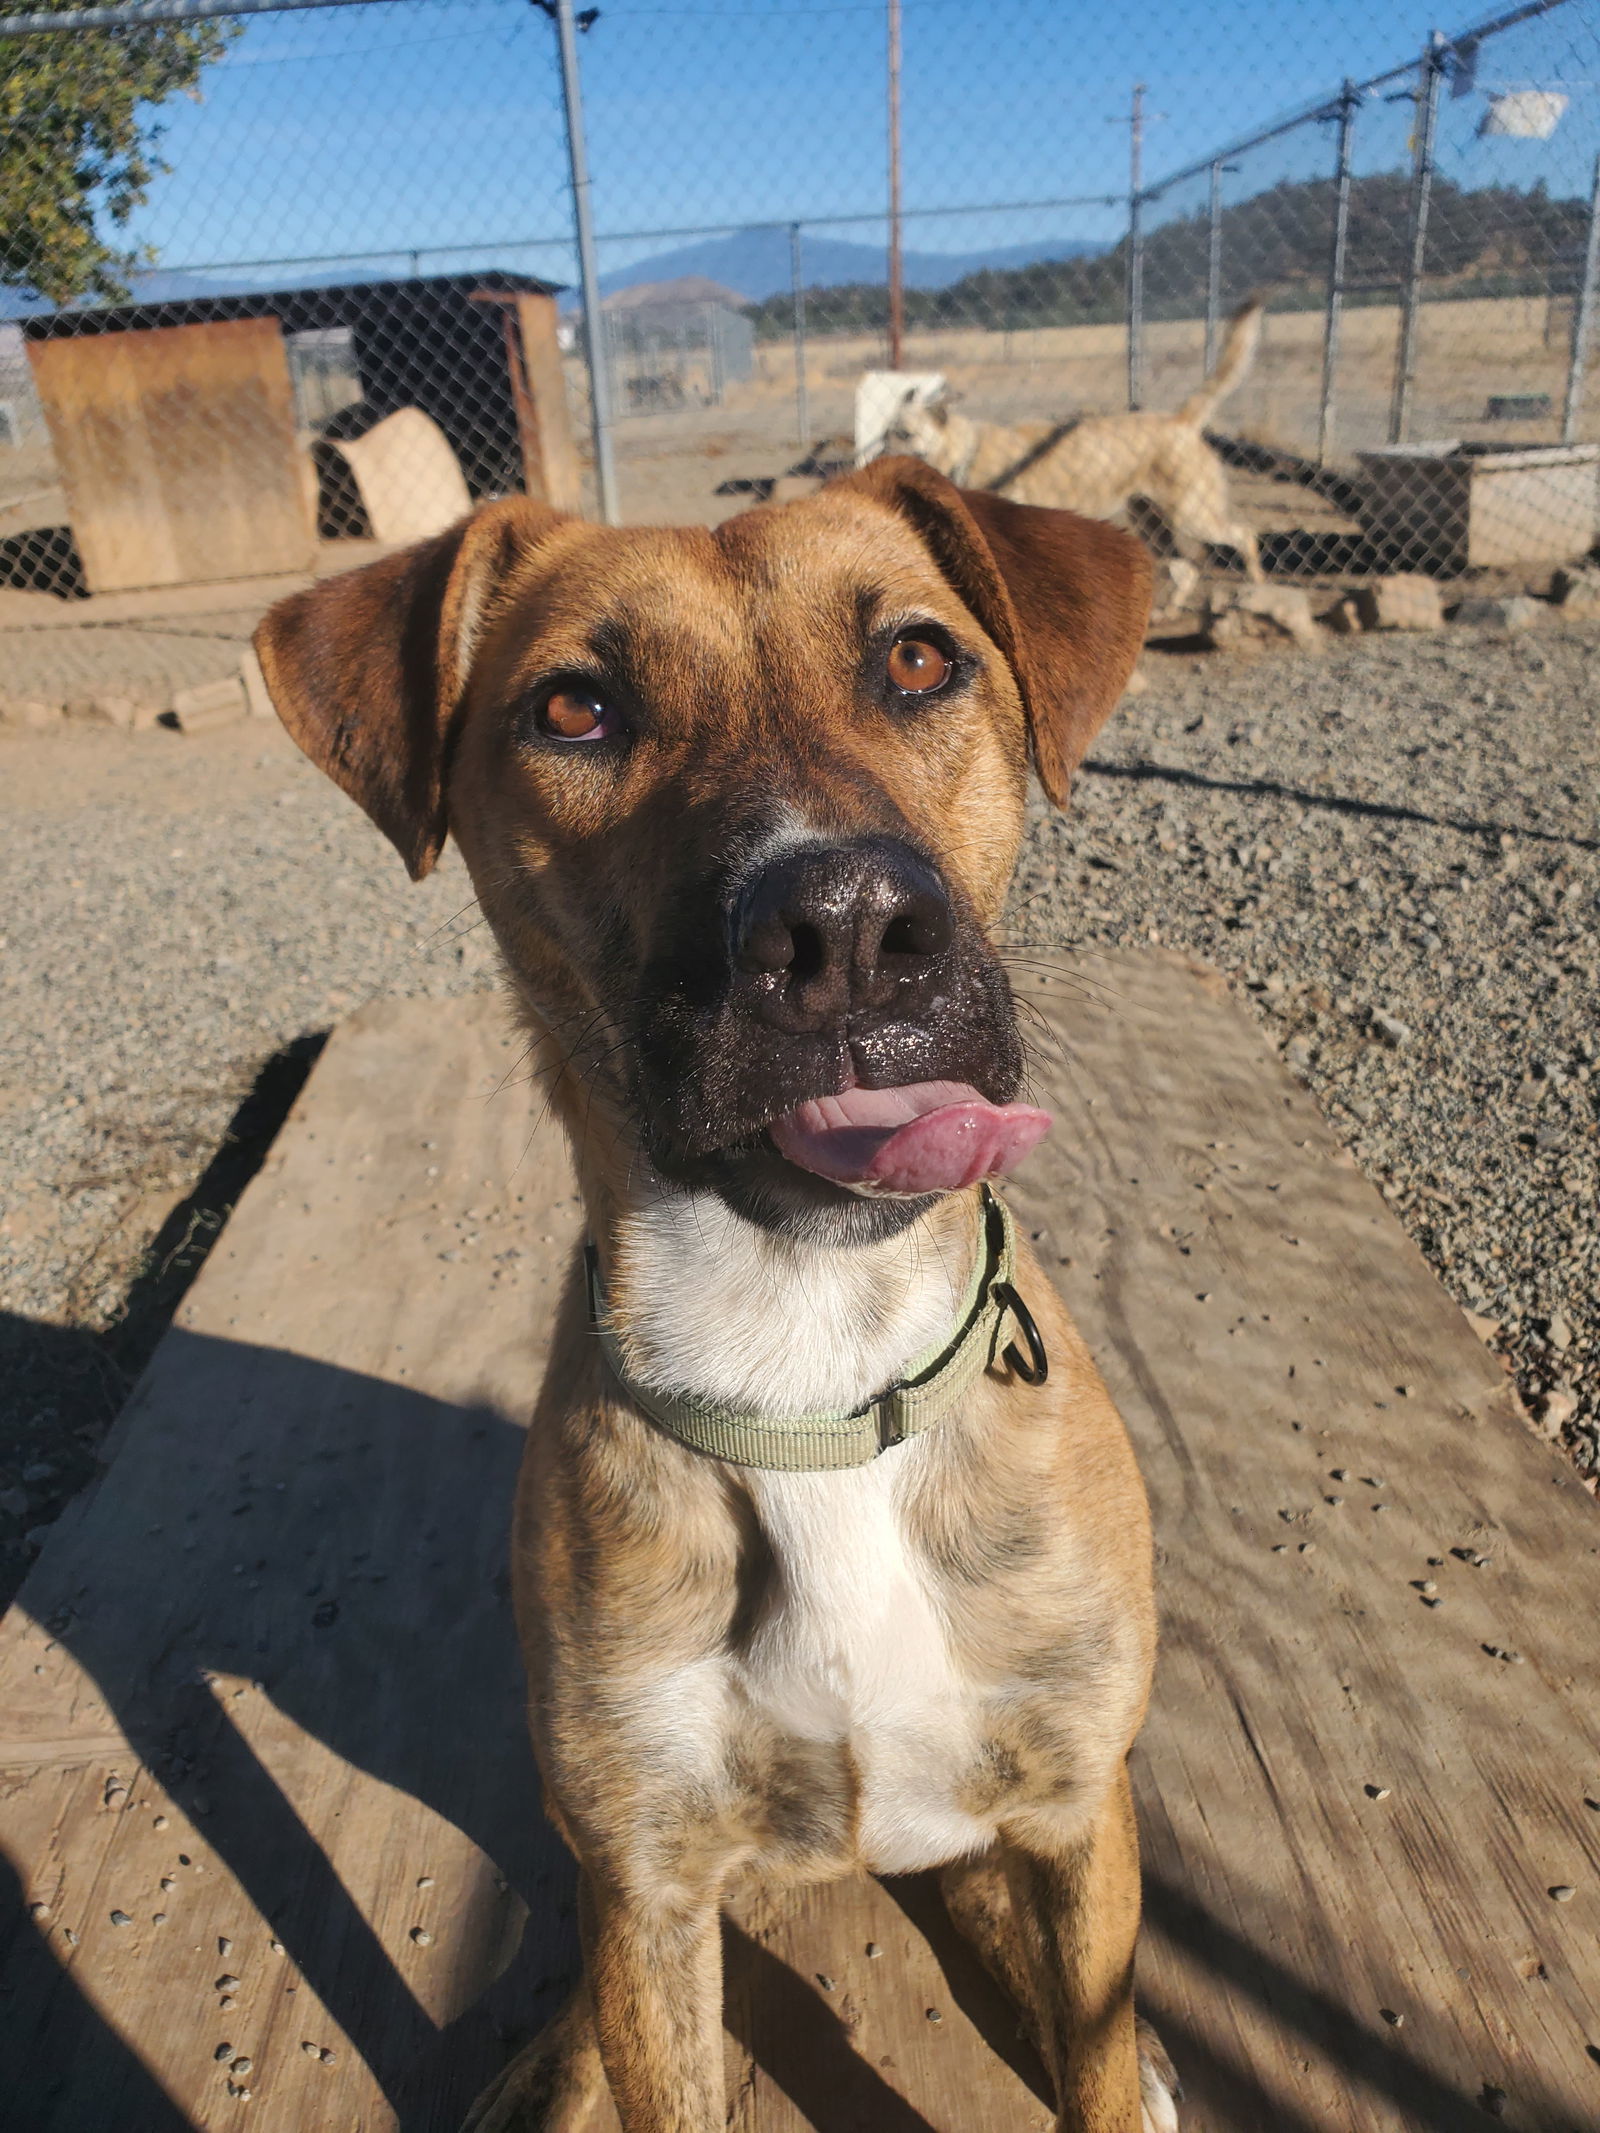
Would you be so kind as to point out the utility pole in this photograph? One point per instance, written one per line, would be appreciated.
(1135, 295)
(594, 334)
(897, 293)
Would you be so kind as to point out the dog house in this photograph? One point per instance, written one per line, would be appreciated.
(1451, 507)
(184, 430)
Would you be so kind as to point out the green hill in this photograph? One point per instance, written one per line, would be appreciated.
(1490, 241)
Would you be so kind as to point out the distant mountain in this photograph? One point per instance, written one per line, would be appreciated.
(756, 262)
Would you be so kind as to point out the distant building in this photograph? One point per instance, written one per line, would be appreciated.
(675, 344)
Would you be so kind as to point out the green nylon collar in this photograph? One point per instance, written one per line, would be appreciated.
(930, 1387)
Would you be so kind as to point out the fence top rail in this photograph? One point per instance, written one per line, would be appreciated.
(138, 14)
(1329, 106)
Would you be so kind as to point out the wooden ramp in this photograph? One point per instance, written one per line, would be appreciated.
(264, 1788)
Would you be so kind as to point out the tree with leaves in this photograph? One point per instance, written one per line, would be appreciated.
(78, 147)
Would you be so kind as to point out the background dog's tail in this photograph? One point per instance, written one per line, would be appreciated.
(1238, 353)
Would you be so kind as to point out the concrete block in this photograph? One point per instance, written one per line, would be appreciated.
(1514, 612)
(29, 711)
(1407, 601)
(1175, 581)
(1577, 593)
(213, 703)
(127, 714)
(258, 703)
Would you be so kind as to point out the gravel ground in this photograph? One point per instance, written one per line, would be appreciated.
(1395, 849)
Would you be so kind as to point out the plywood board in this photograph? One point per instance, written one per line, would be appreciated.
(178, 453)
(1316, 1955)
(275, 1646)
(539, 387)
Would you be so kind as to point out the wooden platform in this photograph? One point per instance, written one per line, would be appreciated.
(263, 1779)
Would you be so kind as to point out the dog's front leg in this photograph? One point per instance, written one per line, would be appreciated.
(655, 1970)
(1076, 1909)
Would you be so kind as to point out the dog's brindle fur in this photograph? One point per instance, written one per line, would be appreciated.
(936, 1660)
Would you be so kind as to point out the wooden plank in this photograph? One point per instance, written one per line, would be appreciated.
(1264, 1322)
(539, 387)
(309, 1494)
(287, 1598)
(178, 453)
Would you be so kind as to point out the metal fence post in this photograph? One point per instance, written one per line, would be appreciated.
(1431, 73)
(1349, 99)
(1582, 319)
(1214, 268)
(594, 335)
(1135, 282)
(797, 289)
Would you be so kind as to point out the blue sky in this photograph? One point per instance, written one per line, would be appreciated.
(436, 123)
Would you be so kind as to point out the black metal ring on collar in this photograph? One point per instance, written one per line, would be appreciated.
(1037, 1368)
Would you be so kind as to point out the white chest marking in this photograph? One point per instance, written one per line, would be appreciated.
(779, 1325)
(853, 1649)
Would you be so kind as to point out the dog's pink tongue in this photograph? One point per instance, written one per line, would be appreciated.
(933, 1136)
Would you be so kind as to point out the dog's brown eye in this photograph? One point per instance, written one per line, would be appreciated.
(574, 715)
(917, 666)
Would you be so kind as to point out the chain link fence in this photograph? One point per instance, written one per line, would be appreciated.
(281, 288)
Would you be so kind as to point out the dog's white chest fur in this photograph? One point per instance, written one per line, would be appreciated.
(852, 1649)
(849, 1647)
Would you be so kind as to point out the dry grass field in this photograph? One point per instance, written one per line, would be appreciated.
(672, 462)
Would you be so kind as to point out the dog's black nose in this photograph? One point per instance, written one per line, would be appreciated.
(833, 933)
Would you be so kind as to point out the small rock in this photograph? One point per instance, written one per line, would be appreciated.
(1406, 601)
(824, 1981)
(422, 1937)
(932, 2014)
(312, 2051)
(1563, 1892)
(226, 1983)
(1557, 1409)
(1255, 614)
(873, 1950)
(121, 1918)
(1392, 2016)
(1558, 1333)
(1393, 1031)
(241, 2066)
(223, 2051)
(1376, 1792)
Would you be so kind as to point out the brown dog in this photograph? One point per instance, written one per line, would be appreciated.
(815, 1570)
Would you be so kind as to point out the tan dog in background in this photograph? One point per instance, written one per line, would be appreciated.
(1100, 464)
(830, 1551)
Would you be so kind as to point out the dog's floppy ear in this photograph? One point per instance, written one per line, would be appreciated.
(367, 670)
(1065, 598)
